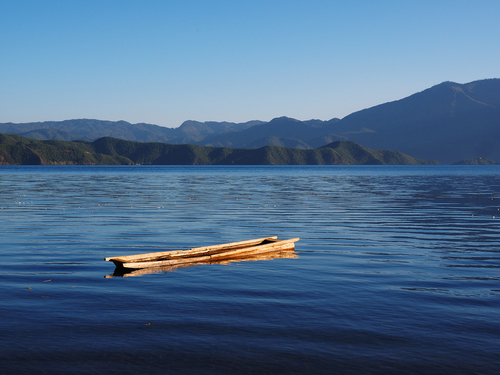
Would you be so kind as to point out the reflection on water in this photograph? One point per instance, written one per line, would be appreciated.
(399, 270)
(124, 272)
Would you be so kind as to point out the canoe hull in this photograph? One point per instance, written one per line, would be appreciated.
(131, 272)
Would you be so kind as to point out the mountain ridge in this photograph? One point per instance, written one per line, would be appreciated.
(446, 122)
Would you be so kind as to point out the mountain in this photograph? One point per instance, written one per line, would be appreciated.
(282, 131)
(447, 122)
(195, 131)
(285, 132)
(15, 150)
(89, 130)
(85, 129)
(49, 134)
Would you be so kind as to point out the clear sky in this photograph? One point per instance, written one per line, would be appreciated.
(164, 62)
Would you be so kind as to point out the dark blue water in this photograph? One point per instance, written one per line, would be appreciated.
(398, 270)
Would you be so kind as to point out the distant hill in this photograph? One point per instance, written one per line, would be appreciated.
(90, 130)
(279, 131)
(282, 131)
(15, 150)
(447, 122)
(49, 134)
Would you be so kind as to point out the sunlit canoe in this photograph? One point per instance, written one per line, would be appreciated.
(206, 254)
(127, 272)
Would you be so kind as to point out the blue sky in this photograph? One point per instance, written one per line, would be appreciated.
(164, 62)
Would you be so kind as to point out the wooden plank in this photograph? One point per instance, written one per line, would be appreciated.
(194, 252)
(239, 253)
(162, 263)
(289, 254)
(280, 245)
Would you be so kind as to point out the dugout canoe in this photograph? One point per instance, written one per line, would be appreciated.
(129, 272)
(206, 254)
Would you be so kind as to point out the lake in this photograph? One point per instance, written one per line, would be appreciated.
(397, 270)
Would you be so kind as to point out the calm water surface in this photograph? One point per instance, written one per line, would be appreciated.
(398, 270)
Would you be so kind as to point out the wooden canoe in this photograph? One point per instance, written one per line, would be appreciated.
(128, 272)
(206, 254)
